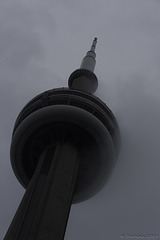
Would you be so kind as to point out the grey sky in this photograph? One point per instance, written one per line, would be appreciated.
(41, 43)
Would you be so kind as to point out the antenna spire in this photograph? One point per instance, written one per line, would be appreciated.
(84, 79)
(89, 61)
(93, 47)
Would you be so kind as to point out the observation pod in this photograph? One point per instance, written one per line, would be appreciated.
(75, 116)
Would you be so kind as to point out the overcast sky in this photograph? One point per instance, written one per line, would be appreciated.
(41, 43)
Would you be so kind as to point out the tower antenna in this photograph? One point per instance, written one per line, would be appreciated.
(93, 47)
(84, 78)
(89, 61)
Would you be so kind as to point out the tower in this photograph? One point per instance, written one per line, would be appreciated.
(64, 146)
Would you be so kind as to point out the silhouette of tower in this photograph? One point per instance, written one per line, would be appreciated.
(64, 146)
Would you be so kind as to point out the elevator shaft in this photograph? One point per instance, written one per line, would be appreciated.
(44, 209)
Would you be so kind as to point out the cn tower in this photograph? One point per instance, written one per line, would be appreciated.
(64, 146)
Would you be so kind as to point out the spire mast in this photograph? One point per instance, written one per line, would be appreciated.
(84, 78)
(93, 47)
(89, 61)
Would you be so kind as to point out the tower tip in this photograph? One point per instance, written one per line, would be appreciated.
(93, 47)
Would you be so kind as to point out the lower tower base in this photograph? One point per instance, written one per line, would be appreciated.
(44, 209)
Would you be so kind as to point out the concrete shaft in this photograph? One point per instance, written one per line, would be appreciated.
(44, 209)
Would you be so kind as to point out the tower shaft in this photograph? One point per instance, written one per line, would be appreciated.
(44, 209)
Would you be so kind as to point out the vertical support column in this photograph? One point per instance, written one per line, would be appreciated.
(44, 209)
